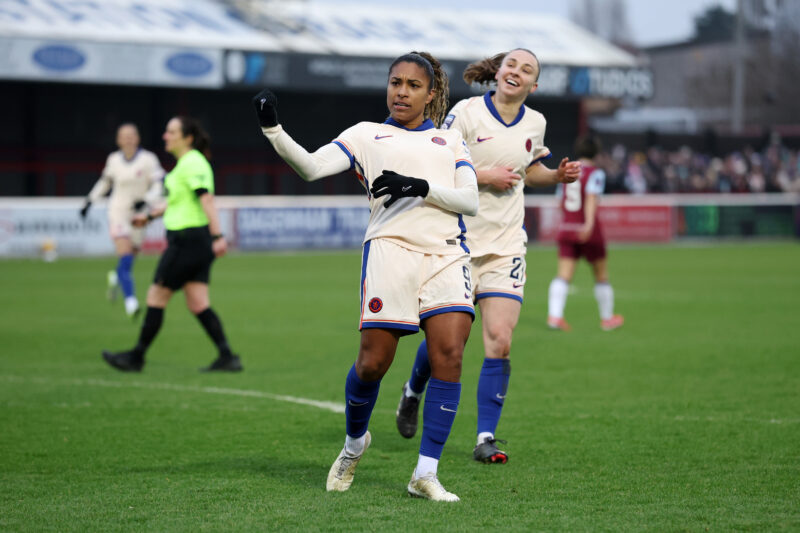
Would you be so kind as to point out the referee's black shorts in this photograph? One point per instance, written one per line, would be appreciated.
(188, 257)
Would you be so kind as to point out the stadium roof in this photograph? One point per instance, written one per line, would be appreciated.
(202, 42)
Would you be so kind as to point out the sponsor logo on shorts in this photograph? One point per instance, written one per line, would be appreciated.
(375, 305)
(517, 284)
(443, 408)
(439, 141)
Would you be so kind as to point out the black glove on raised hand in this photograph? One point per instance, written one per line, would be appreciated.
(398, 186)
(85, 209)
(266, 105)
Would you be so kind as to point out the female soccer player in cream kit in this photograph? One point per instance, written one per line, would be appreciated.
(134, 176)
(506, 140)
(415, 266)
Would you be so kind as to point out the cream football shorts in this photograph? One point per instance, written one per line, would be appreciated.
(499, 276)
(401, 287)
(119, 226)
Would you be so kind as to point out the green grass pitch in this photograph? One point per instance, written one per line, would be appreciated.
(686, 419)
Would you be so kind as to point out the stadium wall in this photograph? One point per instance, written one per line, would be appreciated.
(31, 226)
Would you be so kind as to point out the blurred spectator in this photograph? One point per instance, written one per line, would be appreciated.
(774, 169)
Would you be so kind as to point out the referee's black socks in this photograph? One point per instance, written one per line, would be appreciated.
(211, 323)
(152, 323)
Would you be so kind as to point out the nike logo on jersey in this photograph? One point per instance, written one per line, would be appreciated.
(406, 188)
(353, 404)
(517, 285)
(443, 408)
(499, 397)
(379, 137)
(480, 140)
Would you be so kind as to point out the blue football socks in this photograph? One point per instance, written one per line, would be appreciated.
(124, 268)
(421, 371)
(492, 388)
(360, 397)
(441, 404)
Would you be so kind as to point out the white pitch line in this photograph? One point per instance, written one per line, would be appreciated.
(328, 406)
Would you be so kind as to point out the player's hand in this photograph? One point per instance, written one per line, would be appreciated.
(584, 233)
(219, 246)
(139, 220)
(398, 186)
(266, 105)
(502, 178)
(85, 209)
(568, 171)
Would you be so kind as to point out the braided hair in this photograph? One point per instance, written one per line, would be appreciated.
(438, 81)
(483, 71)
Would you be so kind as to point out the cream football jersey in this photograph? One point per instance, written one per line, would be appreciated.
(409, 222)
(498, 226)
(130, 179)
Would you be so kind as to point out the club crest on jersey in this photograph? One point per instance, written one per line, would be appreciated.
(439, 141)
(375, 305)
(528, 145)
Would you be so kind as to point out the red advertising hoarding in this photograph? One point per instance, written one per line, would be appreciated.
(621, 223)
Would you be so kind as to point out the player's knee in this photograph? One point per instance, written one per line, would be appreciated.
(370, 367)
(447, 355)
(500, 339)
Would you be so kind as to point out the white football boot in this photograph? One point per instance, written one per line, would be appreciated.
(430, 488)
(340, 476)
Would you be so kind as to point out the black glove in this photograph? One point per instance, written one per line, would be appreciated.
(139, 205)
(266, 105)
(85, 209)
(398, 186)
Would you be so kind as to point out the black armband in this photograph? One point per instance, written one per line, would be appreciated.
(201, 191)
(217, 236)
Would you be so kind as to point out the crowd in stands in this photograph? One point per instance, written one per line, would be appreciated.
(775, 169)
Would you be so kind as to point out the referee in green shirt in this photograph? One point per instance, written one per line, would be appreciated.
(194, 239)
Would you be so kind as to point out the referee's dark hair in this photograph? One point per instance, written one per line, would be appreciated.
(201, 141)
(587, 147)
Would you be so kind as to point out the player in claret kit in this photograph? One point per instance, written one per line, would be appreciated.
(581, 235)
(506, 140)
(134, 177)
(415, 266)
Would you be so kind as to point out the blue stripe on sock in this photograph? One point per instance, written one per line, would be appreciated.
(360, 397)
(422, 369)
(492, 388)
(124, 268)
(441, 404)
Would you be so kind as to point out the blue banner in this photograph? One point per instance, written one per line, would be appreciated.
(271, 228)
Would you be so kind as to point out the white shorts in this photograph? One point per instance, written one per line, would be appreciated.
(401, 287)
(499, 276)
(119, 226)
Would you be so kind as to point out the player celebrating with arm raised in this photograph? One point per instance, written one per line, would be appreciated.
(415, 265)
(134, 177)
(581, 235)
(506, 140)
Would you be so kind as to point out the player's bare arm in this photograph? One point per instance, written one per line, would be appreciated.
(219, 245)
(539, 175)
(590, 212)
(500, 178)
